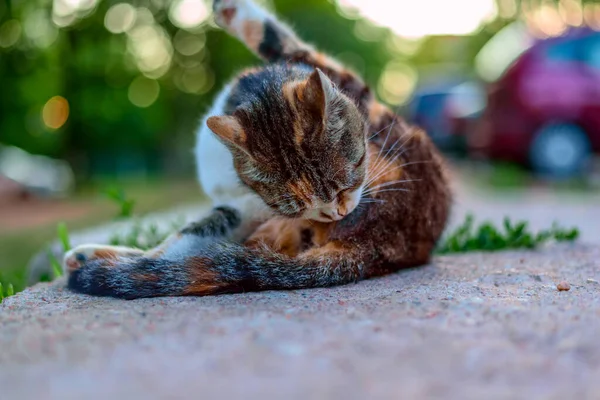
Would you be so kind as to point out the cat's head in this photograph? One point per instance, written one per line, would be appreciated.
(301, 146)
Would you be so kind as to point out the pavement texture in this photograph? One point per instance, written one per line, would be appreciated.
(476, 326)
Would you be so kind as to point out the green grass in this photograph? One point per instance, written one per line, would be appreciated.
(118, 196)
(504, 176)
(488, 237)
(16, 249)
(144, 236)
(10, 291)
(63, 235)
(465, 238)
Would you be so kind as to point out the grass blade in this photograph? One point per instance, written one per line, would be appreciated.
(56, 267)
(63, 236)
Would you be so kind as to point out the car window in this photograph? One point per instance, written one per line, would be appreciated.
(590, 49)
(585, 50)
(432, 104)
(560, 52)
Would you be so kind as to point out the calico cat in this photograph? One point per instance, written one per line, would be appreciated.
(314, 183)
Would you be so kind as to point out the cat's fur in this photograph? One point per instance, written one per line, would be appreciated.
(286, 154)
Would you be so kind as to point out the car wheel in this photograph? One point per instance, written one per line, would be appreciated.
(560, 150)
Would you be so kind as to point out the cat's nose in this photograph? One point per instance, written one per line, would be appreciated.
(342, 210)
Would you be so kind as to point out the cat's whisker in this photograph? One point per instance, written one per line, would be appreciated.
(395, 168)
(379, 158)
(383, 185)
(378, 132)
(398, 153)
(371, 200)
(386, 137)
(394, 190)
(394, 182)
(385, 171)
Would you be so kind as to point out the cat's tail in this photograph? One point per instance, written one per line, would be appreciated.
(218, 268)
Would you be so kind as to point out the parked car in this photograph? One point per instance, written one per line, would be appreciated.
(447, 110)
(545, 110)
(33, 174)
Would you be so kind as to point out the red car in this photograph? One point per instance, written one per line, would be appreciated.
(545, 110)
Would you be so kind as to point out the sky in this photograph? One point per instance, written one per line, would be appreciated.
(418, 18)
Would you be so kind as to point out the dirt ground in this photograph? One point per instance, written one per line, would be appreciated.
(474, 326)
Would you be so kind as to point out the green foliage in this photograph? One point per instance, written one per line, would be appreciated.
(55, 264)
(487, 237)
(125, 204)
(10, 291)
(63, 236)
(101, 74)
(143, 237)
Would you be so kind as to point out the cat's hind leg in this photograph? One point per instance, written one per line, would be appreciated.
(266, 35)
(77, 256)
(218, 224)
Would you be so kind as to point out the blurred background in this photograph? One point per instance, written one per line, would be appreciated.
(100, 99)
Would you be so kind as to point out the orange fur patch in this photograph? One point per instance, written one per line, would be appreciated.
(203, 280)
(376, 112)
(301, 188)
(281, 235)
(290, 91)
(321, 232)
(253, 34)
(106, 254)
(334, 248)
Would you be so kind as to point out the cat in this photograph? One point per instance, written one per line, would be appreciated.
(314, 183)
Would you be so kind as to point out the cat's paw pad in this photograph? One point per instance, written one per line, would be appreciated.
(75, 258)
(225, 11)
(231, 12)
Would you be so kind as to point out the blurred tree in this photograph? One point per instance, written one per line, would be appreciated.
(118, 86)
(133, 76)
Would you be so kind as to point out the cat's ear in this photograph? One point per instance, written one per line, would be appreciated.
(317, 92)
(228, 129)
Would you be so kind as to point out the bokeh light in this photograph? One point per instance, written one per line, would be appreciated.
(397, 83)
(425, 17)
(120, 18)
(196, 80)
(188, 14)
(188, 44)
(66, 12)
(143, 92)
(39, 29)
(549, 21)
(55, 112)
(10, 32)
(150, 45)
